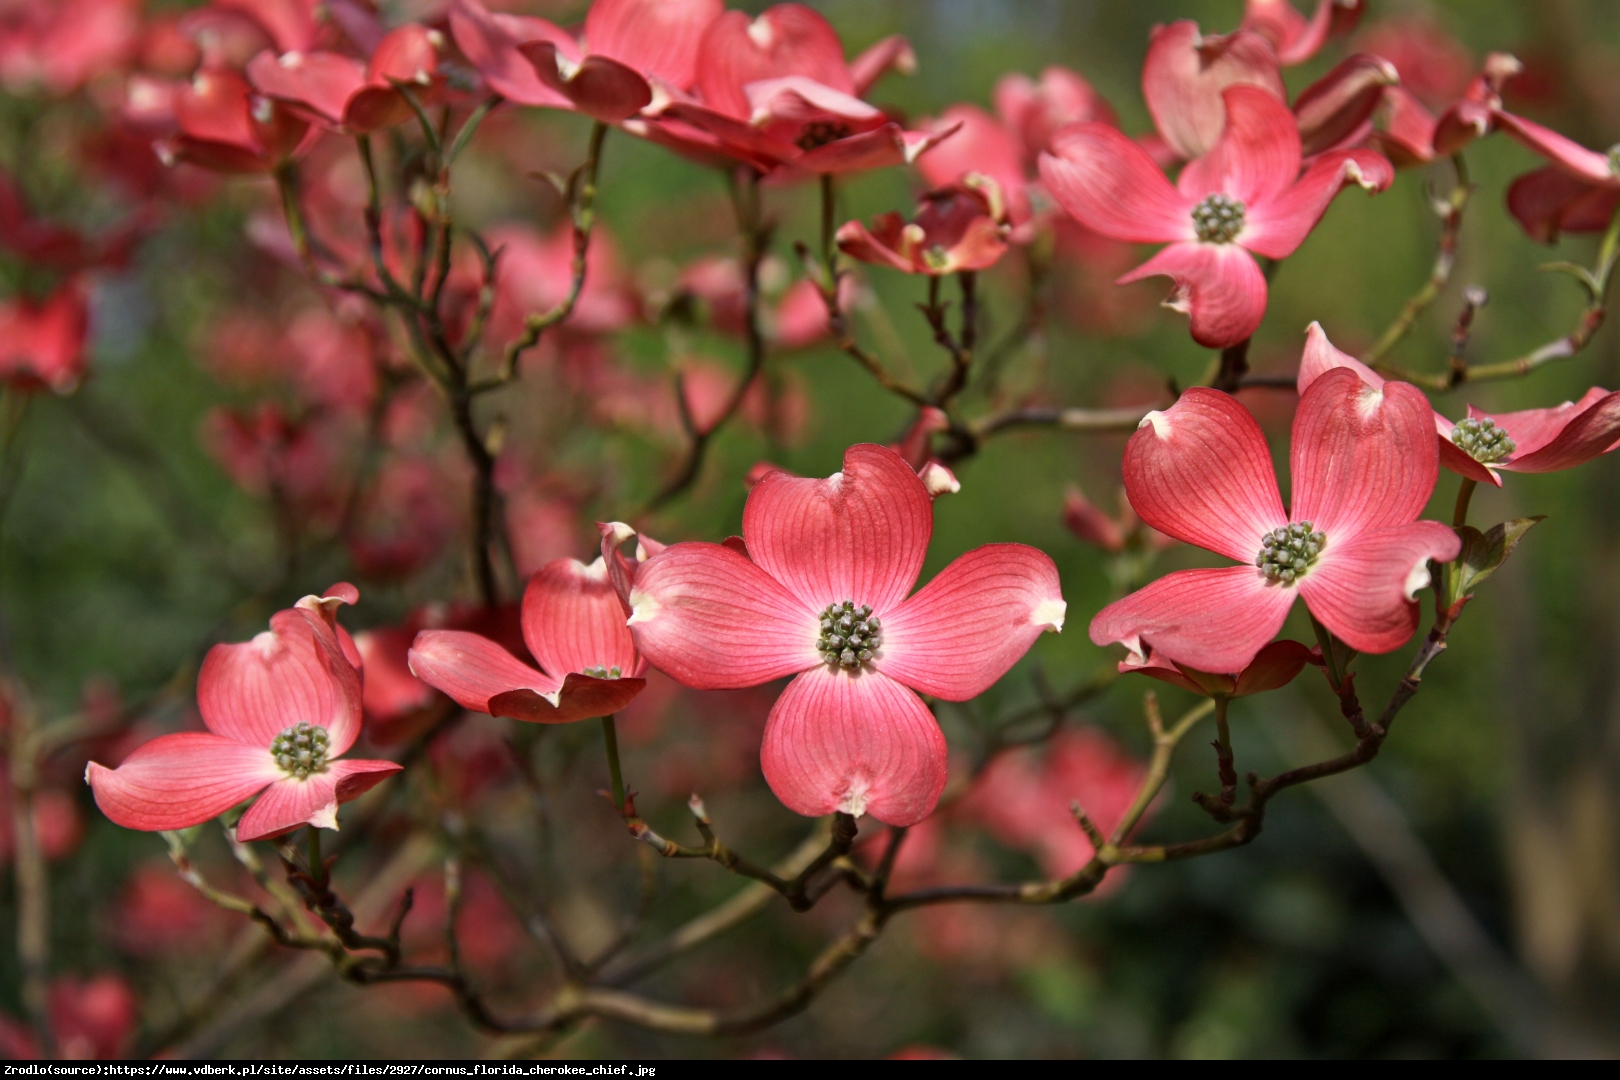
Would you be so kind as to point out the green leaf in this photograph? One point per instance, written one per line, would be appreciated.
(1483, 553)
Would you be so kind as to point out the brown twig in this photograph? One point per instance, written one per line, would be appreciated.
(1450, 211)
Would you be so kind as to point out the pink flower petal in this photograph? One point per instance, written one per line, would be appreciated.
(710, 619)
(1364, 589)
(1213, 620)
(321, 82)
(1295, 39)
(1200, 471)
(1257, 156)
(860, 744)
(1320, 357)
(406, 54)
(1185, 72)
(573, 620)
(1593, 430)
(490, 43)
(294, 672)
(1407, 136)
(1563, 152)
(962, 631)
(289, 803)
(1276, 227)
(861, 534)
(893, 53)
(1274, 667)
(598, 86)
(1218, 286)
(581, 697)
(657, 38)
(1455, 459)
(788, 39)
(177, 781)
(1335, 110)
(1550, 201)
(1111, 186)
(1534, 428)
(857, 242)
(876, 149)
(1361, 457)
(983, 146)
(472, 669)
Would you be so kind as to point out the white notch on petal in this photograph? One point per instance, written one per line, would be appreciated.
(1417, 579)
(855, 797)
(761, 32)
(1049, 613)
(325, 817)
(1159, 420)
(1370, 400)
(643, 608)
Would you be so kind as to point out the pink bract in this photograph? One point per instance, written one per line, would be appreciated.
(1245, 195)
(1363, 462)
(297, 672)
(850, 735)
(1543, 440)
(961, 227)
(1296, 38)
(44, 344)
(573, 624)
(343, 93)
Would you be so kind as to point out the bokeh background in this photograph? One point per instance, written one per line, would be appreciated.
(1459, 898)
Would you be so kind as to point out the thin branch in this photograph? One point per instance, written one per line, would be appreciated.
(1450, 211)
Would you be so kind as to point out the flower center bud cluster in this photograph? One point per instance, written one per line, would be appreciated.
(1218, 219)
(849, 634)
(300, 750)
(1286, 553)
(820, 133)
(1482, 440)
(600, 672)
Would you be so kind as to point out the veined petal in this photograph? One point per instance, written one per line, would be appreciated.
(1274, 667)
(1200, 471)
(857, 242)
(1321, 356)
(962, 631)
(598, 86)
(1457, 460)
(580, 697)
(893, 53)
(1532, 429)
(1218, 286)
(1276, 227)
(1362, 457)
(1295, 39)
(1185, 72)
(472, 669)
(1364, 590)
(857, 743)
(861, 534)
(1110, 185)
(794, 97)
(879, 148)
(1549, 201)
(573, 620)
(984, 146)
(490, 41)
(1565, 153)
(1407, 135)
(711, 619)
(788, 39)
(1593, 430)
(177, 781)
(290, 802)
(1212, 620)
(1258, 153)
(294, 672)
(657, 38)
(1161, 667)
(1334, 108)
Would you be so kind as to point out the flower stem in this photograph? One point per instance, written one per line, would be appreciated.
(317, 866)
(1330, 656)
(1223, 751)
(610, 740)
(1465, 494)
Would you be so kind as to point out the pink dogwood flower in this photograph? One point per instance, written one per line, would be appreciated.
(1578, 192)
(1483, 445)
(223, 126)
(1363, 462)
(43, 344)
(961, 227)
(817, 588)
(345, 94)
(573, 624)
(280, 710)
(1185, 75)
(1296, 38)
(1272, 668)
(1246, 195)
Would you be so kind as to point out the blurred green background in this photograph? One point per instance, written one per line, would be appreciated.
(1460, 898)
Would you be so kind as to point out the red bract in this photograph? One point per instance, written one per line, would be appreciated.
(1024, 800)
(279, 709)
(59, 45)
(1273, 667)
(777, 92)
(630, 47)
(1246, 195)
(822, 594)
(573, 624)
(221, 125)
(345, 94)
(1034, 112)
(43, 345)
(1578, 192)
(1363, 463)
(1295, 38)
(1484, 444)
(1411, 135)
(982, 148)
(962, 227)
(1185, 75)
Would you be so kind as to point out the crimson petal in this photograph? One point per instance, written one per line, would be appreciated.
(573, 620)
(1276, 227)
(1218, 286)
(581, 697)
(177, 781)
(657, 38)
(289, 803)
(472, 669)
(1257, 156)
(599, 86)
(1109, 184)
(856, 743)
(1364, 588)
(1185, 72)
(1212, 620)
